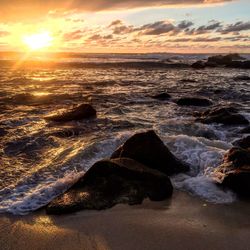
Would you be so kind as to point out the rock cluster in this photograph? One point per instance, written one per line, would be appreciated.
(137, 170)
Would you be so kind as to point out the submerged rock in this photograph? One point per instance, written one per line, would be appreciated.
(193, 101)
(162, 96)
(82, 111)
(148, 149)
(226, 116)
(243, 142)
(109, 182)
(235, 171)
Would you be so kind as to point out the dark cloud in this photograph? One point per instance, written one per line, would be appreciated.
(157, 28)
(25, 9)
(236, 27)
(211, 26)
(185, 24)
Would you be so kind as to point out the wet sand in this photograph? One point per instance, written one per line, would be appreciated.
(184, 222)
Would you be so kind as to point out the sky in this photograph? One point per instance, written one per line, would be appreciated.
(125, 26)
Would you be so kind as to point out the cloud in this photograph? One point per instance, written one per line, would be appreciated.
(4, 33)
(158, 28)
(185, 24)
(74, 35)
(119, 27)
(203, 29)
(236, 27)
(37, 8)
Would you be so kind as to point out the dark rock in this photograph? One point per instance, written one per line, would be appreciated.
(224, 60)
(243, 142)
(211, 64)
(245, 130)
(83, 111)
(242, 78)
(235, 171)
(239, 64)
(198, 65)
(193, 101)
(226, 116)
(109, 182)
(161, 96)
(148, 149)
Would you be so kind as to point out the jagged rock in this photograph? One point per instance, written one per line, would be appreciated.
(162, 96)
(235, 171)
(148, 149)
(243, 142)
(109, 182)
(225, 115)
(82, 111)
(193, 101)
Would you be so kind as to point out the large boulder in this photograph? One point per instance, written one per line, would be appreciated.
(235, 171)
(148, 149)
(193, 101)
(109, 182)
(82, 111)
(225, 115)
(243, 142)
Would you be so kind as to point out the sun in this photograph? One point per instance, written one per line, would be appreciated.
(38, 41)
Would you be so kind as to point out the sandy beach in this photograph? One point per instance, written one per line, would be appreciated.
(183, 222)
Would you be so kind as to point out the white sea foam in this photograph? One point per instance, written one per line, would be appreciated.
(203, 156)
(29, 195)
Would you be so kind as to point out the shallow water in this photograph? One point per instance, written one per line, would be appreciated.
(39, 160)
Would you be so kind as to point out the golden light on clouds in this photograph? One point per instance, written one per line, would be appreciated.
(38, 41)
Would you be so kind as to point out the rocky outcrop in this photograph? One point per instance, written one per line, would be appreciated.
(234, 173)
(230, 60)
(193, 101)
(161, 96)
(224, 60)
(109, 182)
(243, 142)
(225, 115)
(148, 149)
(82, 111)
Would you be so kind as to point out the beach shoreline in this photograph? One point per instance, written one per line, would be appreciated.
(183, 222)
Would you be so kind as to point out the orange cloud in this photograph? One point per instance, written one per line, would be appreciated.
(34, 9)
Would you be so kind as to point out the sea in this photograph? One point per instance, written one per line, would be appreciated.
(39, 160)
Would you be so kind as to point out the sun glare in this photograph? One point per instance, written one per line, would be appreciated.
(38, 41)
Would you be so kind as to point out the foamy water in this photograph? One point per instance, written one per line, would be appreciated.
(40, 160)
